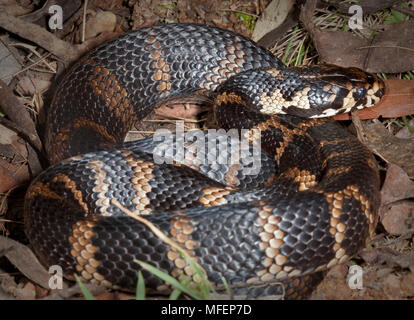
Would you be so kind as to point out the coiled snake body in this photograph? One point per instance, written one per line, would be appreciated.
(312, 204)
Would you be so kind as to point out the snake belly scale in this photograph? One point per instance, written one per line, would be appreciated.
(312, 205)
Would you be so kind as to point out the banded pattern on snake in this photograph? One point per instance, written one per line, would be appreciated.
(312, 204)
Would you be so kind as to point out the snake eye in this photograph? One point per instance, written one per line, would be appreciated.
(359, 92)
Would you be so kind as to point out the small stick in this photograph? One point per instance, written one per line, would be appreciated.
(84, 21)
(40, 36)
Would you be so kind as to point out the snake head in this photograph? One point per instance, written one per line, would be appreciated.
(308, 92)
(345, 89)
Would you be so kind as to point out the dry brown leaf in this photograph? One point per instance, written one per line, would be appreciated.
(8, 64)
(398, 218)
(33, 85)
(397, 212)
(14, 8)
(387, 256)
(272, 17)
(391, 51)
(405, 132)
(102, 21)
(24, 260)
(340, 48)
(27, 292)
(14, 171)
(397, 185)
(368, 6)
(390, 148)
(7, 179)
(407, 285)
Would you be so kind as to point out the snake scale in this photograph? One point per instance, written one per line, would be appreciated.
(312, 205)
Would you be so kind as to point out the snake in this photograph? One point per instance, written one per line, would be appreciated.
(302, 197)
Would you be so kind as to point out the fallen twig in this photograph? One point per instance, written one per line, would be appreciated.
(21, 123)
(24, 260)
(40, 36)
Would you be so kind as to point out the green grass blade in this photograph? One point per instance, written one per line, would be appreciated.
(86, 293)
(397, 123)
(140, 294)
(287, 52)
(170, 280)
(228, 290)
(177, 292)
(301, 54)
(407, 124)
(395, 17)
(204, 285)
(247, 19)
